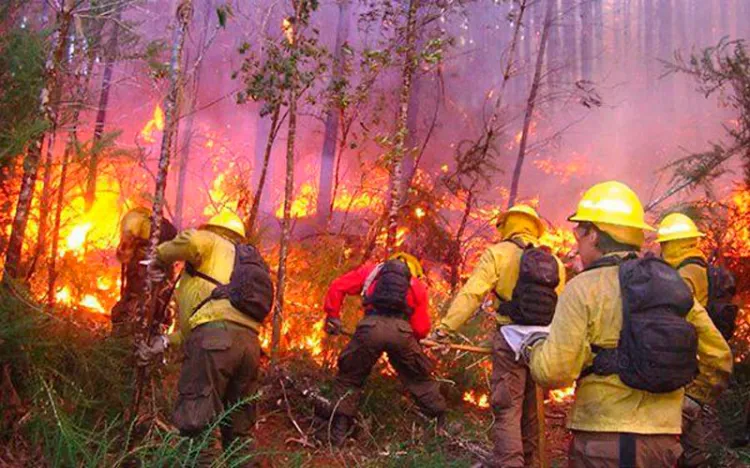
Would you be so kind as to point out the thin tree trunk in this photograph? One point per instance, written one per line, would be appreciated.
(587, 47)
(509, 64)
(650, 52)
(252, 219)
(410, 62)
(48, 107)
(457, 259)
(570, 14)
(337, 171)
(328, 154)
(190, 104)
(665, 46)
(598, 36)
(171, 113)
(530, 105)
(285, 226)
(101, 113)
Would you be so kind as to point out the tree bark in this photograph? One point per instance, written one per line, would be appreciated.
(48, 108)
(530, 104)
(171, 114)
(285, 226)
(328, 154)
(666, 48)
(190, 104)
(410, 62)
(509, 64)
(101, 113)
(273, 131)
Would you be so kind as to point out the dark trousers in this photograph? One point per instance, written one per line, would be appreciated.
(515, 433)
(220, 369)
(374, 336)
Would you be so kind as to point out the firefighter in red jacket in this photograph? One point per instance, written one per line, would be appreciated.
(395, 304)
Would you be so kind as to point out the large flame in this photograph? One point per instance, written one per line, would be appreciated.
(155, 124)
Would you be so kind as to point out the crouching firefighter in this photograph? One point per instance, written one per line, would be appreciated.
(713, 287)
(525, 281)
(135, 229)
(396, 317)
(224, 295)
(628, 332)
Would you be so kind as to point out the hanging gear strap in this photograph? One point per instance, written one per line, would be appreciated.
(627, 450)
(215, 293)
(693, 261)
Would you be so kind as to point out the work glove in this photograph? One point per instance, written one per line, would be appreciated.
(333, 326)
(146, 352)
(528, 344)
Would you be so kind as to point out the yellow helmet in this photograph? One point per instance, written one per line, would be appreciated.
(677, 226)
(612, 203)
(411, 261)
(228, 220)
(522, 210)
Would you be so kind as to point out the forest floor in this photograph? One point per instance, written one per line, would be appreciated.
(66, 390)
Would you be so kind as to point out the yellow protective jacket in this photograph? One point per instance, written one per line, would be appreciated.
(496, 271)
(212, 255)
(588, 312)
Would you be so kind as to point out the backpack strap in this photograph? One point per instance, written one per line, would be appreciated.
(693, 261)
(518, 243)
(192, 271)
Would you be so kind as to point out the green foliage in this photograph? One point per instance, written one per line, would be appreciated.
(22, 54)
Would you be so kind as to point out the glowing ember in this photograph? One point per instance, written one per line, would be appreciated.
(419, 213)
(63, 296)
(155, 124)
(480, 400)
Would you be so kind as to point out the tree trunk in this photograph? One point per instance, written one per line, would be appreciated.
(457, 258)
(171, 114)
(570, 18)
(101, 113)
(509, 64)
(649, 53)
(273, 131)
(599, 36)
(587, 46)
(48, 108)
(530, 105)
(191, 99)
(285, 226)
(328, 154)
(553, 53)
(410, 62)
(411, 141)
(666, 48)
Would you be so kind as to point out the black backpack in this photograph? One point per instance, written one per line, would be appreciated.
(721, 289)
(392, 281)
(534, 298)
(249, 290)
(657, 350)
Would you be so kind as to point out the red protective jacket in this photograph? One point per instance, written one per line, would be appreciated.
(351, 284)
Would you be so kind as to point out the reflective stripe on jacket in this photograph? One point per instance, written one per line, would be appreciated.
(590, 312)
(213, 255)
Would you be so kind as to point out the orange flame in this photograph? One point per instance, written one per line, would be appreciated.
(155, 124)
(480, 400)
(288, 27)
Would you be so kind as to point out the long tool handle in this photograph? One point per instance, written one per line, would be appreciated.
(457, 347)
(542, 423)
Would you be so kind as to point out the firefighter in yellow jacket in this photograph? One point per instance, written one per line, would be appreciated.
(513, 401)
(220, 344)
(614, 424)
(701, 431)
(135, 228)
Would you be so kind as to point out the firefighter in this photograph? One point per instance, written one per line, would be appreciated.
(220, 343)
(614, 423)
(513, 396)
(135, 228)
(678, 237)
(395, 304)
